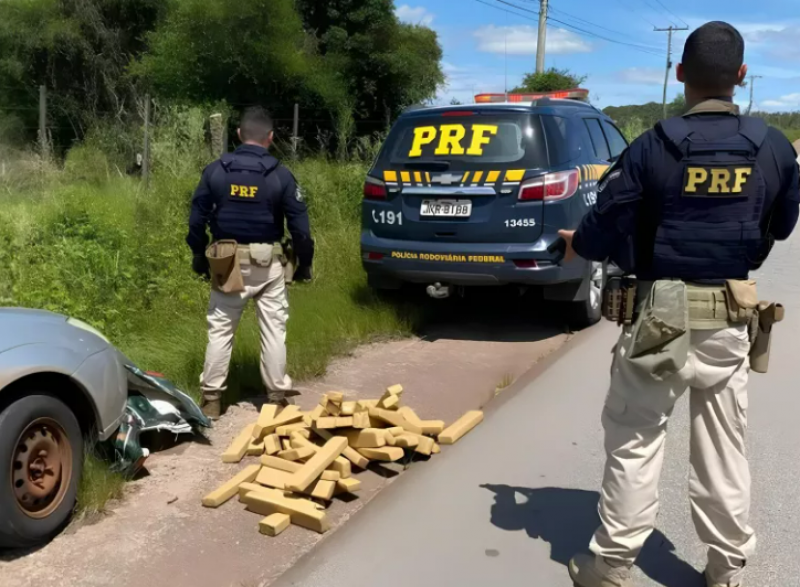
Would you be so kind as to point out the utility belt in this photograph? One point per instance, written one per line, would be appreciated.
(662, 311)
(226, 258)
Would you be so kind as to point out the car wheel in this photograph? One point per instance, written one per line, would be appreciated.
(588, 312)
(41, 458)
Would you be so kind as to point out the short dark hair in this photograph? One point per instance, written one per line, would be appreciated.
(256, 124)
(713, 56)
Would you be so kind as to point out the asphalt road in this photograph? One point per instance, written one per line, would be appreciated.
(516, 498)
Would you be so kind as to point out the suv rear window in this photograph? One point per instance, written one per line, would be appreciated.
(465, 142)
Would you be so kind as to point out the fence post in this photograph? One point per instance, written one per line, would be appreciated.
(44, 143)
(217, 134)
(295, 130)
(146, 150)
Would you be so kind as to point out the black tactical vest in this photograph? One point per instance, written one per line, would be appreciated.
(247, 208)
(706, 222)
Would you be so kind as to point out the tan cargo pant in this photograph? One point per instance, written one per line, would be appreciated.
(635, 418)
(266, 287)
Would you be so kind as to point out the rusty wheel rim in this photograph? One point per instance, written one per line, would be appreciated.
(41, 467)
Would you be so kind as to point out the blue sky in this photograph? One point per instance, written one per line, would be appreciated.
(475, 35)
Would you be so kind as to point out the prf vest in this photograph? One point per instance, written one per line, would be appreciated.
(705, 224)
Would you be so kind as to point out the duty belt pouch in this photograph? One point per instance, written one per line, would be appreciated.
(261, 254)
(742, 297)
(223, 261)
(661, 337)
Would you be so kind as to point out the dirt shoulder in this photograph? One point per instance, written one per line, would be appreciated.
(159, 534)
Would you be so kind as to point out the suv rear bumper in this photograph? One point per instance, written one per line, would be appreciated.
(467, 263)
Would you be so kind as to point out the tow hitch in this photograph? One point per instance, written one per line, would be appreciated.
(439, 292)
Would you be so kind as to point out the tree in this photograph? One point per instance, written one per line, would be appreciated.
(386, 65)
(79, 49)
(244, 53)
(550, 81)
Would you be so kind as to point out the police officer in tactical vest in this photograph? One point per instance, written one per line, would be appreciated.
(244, 198)
(689, 209)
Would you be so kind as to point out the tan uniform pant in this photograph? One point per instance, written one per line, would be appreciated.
(266, 287)
(635, 418)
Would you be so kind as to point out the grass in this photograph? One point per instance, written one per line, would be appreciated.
(99, 485)
(87, 241)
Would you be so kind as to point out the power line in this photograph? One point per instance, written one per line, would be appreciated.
(660, 3)
(506, 10)
(656, 11)
(633, 10)
(584, 21)
(579, 30)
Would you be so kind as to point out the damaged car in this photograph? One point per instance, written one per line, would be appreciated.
(64, 388)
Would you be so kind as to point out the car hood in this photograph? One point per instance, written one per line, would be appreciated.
(22, 326)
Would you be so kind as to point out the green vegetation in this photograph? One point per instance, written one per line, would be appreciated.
(99, 485)
(552, 80)
(350, 64)
(636, 119)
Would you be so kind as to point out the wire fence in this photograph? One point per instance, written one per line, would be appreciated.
(295, 135)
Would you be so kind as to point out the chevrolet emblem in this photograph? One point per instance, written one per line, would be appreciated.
(447, 178)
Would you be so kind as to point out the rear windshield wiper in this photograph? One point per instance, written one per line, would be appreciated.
(430, 166)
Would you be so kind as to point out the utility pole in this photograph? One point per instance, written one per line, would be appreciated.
(753, 79)
(542, 38)
(146, 149)
(44, 142)
(669, 30)
(295, 130)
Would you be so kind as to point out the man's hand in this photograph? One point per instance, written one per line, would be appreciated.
(569, 253)
(200, 266)
(302, 274)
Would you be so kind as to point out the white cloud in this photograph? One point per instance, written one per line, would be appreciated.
(645, 76)
(416, 15)
(787, 102)
(522, 39)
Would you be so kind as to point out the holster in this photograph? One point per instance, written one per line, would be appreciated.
(223, 261)
(288, 259)
(768, 314)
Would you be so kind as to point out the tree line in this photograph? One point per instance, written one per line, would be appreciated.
(346, 62)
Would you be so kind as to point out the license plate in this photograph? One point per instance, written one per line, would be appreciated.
(446, 208)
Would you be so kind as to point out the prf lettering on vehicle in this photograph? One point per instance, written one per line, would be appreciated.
(243, 191)
(719, 182)
(452, 139)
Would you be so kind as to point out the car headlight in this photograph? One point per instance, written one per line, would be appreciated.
(84, 326)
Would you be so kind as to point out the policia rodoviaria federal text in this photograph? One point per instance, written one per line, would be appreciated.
(690, 209)
(244, 198)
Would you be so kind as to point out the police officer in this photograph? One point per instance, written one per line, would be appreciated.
(695, 202)
(244, 197)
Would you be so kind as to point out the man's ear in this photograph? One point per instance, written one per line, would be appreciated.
(742, 75)
(239, 134)
(270, 138)
(680, 74)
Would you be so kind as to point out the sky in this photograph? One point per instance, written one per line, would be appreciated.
(490, 43)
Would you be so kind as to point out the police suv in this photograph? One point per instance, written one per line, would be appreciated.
(475, 195)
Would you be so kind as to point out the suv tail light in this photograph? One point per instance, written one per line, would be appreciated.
(374, 189)
(553, 186)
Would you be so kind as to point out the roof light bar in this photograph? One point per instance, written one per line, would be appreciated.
(574, 94)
